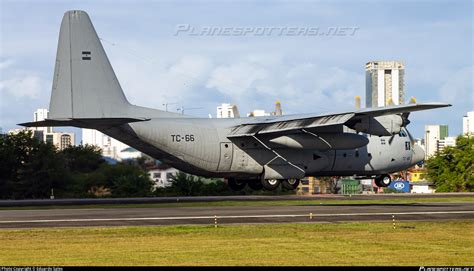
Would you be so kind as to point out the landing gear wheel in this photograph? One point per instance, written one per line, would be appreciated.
(383, 180)
(236, 185)
(255, 185)
(271, 184)
(290, 184)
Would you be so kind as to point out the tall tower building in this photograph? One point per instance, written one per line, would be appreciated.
(468, 123)
(384, 83)
(433, 135)
(110, 147)
(225, 111)
(40, 115)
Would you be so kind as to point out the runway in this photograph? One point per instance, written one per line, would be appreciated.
(234, 215)
(95, 201)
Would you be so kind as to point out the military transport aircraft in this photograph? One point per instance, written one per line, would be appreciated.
(261, 152)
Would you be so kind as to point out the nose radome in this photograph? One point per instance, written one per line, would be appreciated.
(418, 154)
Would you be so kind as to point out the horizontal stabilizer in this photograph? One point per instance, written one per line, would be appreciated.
(83, 123)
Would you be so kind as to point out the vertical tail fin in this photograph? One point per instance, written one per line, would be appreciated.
(84, 83)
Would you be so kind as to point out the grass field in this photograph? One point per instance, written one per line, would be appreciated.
(255, 203)
(412, 243)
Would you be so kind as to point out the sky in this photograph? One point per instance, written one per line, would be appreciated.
(157, 64)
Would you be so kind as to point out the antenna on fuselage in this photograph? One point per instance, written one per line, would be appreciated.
(182, 108)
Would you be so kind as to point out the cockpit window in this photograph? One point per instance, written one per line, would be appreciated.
(403, 133)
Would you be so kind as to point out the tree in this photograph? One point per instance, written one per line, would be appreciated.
(83, 158)
(128, 181)
(186, 185)
(452, 169)
(29, 168)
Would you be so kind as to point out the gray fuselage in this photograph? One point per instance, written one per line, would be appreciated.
(200, 146)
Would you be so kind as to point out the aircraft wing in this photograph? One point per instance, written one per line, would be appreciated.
(287, 123)
(399, 109)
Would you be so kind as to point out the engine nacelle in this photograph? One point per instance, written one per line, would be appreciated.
(320, 141)
(381, 125)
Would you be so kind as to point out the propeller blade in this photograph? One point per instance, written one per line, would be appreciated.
(406, 121)
(412, 140)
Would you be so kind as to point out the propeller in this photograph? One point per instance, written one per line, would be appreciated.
(405, 115)
(405, 119)
(412, 140)
(391, 139)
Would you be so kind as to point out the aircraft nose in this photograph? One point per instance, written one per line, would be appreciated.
(418, 154)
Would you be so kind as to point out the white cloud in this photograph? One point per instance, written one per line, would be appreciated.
(236, 79)
(23, 86)
(21, 92)
(302, 87)
(459, 87)
(154, 84)
(19, 83)
(4, 64)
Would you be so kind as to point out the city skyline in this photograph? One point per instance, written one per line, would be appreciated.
(155, 67)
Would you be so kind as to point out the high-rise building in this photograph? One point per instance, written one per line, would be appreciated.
(278, 111)
(449, 141)
(434, 133)
(258, 113)
(110, 147)
(384, 83)
(226, 111)
(40, 115)
(468, 123)
(60, 140)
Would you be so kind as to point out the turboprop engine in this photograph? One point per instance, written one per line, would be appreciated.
(322, 141)
(381, 125)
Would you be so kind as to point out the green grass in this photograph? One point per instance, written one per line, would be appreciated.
(255, 203)
(361, 243)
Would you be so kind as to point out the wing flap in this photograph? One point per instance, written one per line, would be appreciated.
(287, 125)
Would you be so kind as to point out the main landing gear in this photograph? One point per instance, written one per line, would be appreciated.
(236, 185)
(270, 184)
(290, 184)
(383, 180)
